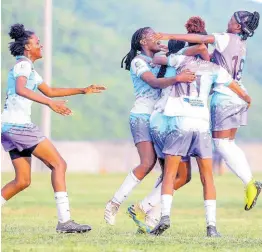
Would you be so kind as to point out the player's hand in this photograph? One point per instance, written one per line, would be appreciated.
(60, 107)
(248, 100)
(186, 76)
(94, 89)
(164, 48)
(159, 36)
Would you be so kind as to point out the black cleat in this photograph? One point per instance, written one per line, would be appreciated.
(212, 232)
(163, 225)
(72, 227)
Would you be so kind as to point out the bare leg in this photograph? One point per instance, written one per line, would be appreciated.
(47, 152)
(22, 179)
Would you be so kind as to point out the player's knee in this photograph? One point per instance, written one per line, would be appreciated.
(147, 165)
(60, 165)
(206, 180)
(22, 184)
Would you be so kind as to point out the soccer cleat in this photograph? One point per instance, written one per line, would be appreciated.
(150, 221)
(163, 225)
(253, 189)
(138, 216)
(212, 232)
(72, 227)
(140, 231)
(110, 212)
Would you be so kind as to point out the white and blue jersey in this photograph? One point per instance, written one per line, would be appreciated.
(17, 109)
(190, 100)
(145, 95)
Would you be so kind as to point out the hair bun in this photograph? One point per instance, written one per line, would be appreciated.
(195, 25)
(17, 31)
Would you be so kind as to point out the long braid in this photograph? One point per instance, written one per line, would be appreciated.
(173, 47)
(135, 47)
(248, 21)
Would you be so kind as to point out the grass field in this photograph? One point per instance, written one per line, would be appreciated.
(29, 220)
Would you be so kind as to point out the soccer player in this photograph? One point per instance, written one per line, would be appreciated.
(21, 138)
(146, 214)
(228, 112)
(181, 128)
(197, 25)
(147, 89)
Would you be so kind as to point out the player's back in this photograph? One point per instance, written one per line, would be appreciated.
(205, 72)
(191, 99)
(230, 53)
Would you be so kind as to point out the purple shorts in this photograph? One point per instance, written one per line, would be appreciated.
(20, 137)
(189, 143)
(139, 125)
(162, 129)
(227, 115)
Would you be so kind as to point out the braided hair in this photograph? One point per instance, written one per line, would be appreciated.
(248, 21)
(135, 47)
(21, 37)
(174, 46)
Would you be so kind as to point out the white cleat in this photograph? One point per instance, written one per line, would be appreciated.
(110, 212)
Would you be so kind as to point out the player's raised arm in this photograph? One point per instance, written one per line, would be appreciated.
(190, 38)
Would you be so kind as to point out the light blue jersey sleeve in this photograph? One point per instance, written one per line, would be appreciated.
(22, 68)
(139, 66)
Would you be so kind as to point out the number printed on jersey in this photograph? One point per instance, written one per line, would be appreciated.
(237, 68)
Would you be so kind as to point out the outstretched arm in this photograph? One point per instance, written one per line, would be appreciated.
(59, 92)
(190, 38)
(57, 106)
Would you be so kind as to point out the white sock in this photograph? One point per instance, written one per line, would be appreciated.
(3, 201)
(235, 158)
(153, 199)
(126, 188)
(62, 205)
(210, 207)
(166, 204)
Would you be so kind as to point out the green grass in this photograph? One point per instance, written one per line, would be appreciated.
(29, 220)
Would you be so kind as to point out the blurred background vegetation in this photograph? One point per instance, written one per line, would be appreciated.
(90, 37)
